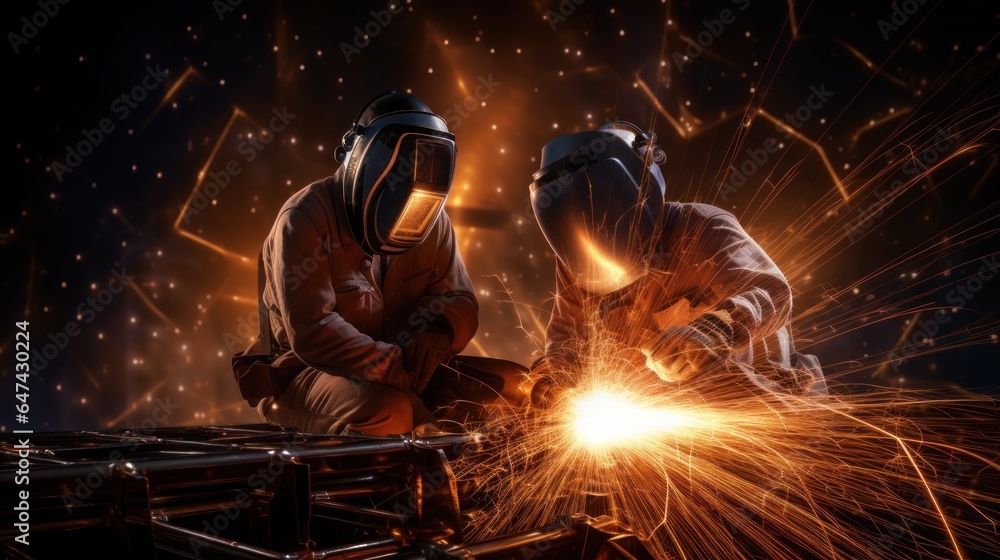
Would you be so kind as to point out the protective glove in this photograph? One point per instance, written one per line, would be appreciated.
(702, 346)
(549, 377)
(425, 352)
(387, 369)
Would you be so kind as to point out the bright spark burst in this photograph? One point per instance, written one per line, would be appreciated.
(609, 417)
(722, 470)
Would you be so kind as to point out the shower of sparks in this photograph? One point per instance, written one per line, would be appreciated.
(725, 470)
(714, 471)
(791, 132)
(608, 417)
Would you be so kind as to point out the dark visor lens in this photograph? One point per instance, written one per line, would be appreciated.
(433, 165)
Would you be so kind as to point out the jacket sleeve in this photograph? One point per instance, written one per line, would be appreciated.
(450, 290)
(566, 330)
(318, 335)
(745, 280)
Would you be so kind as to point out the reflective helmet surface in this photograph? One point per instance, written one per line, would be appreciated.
(597, 199)
(399, 160)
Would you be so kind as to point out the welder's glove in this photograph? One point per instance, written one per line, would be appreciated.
(549, 376)
(388, 369)
(425, 352)
(702, 346)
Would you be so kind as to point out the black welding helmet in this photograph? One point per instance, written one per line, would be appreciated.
(399, 159)
(597, 198)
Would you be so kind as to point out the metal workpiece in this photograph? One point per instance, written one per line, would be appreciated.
(260, 492)
(576, 536)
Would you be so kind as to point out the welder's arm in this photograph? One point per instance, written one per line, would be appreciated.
(754, 300)
(751, 289)
(450, 289)
(449, 304)
(318, 334)
(566, 330)
(564, 335)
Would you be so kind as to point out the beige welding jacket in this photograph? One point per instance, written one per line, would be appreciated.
(703, 261)
(341, 310)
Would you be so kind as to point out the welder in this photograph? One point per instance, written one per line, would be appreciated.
(363, 286)
(682, 286)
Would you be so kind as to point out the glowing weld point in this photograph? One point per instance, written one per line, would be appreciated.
(602, 419)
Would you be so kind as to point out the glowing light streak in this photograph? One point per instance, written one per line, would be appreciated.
(607, 417)
(606, 269)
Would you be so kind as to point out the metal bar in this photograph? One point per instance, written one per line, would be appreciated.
(357, 487)
(560, 532)
(365, 549)
(232, 549)
(200, 543)
(359, 515)
(550, 534)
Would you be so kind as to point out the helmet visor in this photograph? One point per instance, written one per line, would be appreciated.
(595, 224)
(410, 194)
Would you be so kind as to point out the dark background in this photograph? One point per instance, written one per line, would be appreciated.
(166, 339)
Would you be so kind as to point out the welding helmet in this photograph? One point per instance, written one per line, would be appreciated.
(597, 199)
(399, 159)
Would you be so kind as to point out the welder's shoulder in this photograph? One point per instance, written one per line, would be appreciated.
(699, 214)
(442, 229)
(312, 202)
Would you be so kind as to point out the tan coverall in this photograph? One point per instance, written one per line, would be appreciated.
(704, 261)
(341, 310)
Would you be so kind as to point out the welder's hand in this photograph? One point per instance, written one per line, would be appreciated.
(700, 347)
(387, 369)
(424, 353)
(543, 392)
(549, 377)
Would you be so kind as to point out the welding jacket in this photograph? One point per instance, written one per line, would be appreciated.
(702, 261)
(341, 310)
